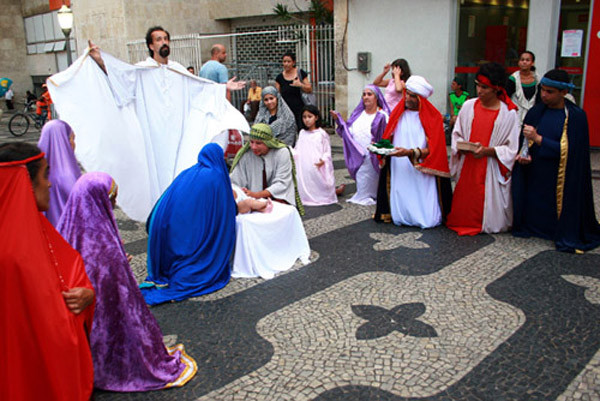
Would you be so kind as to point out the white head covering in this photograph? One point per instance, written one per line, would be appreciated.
(419, 85)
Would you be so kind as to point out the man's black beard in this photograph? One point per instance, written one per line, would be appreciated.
(164, 51)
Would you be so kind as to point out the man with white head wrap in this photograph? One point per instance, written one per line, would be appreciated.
(418, 166)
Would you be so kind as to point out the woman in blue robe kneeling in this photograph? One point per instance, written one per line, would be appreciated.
(191, 232)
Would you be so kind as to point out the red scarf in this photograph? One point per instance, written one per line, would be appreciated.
(503, 96)
(436, 163)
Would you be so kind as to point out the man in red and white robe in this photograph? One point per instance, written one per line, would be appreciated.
(482, 196)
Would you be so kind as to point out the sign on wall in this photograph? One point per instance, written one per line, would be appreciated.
(571, 43)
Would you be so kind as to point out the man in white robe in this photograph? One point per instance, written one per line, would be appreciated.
(142, 124)
(418, 161)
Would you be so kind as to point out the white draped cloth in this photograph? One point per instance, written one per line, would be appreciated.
(141, 124)
(413, 194)
(269, 243)
(367, 178)
(497, 208)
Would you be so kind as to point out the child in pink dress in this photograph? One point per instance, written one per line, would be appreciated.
(314, 166)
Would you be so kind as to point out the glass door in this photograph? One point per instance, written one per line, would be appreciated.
(490, 31)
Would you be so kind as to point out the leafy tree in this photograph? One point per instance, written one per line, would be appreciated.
(317, 10)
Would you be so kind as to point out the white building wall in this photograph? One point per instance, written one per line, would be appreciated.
(542, 31)
(422, 32)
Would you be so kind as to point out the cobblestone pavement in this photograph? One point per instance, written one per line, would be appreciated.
(391, 313)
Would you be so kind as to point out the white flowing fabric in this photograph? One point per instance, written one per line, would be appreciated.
(497, 208)
(141, 124)
(269, 243)
(413, 194)
(367, 178)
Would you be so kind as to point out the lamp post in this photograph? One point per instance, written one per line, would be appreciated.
(65, 20)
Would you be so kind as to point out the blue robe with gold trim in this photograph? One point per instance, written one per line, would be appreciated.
(537, 189)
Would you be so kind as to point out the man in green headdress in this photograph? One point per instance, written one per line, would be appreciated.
(268, 171)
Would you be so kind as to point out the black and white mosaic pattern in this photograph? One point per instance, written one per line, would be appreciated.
(387, 312)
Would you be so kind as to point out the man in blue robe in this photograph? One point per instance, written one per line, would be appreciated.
(552, 186)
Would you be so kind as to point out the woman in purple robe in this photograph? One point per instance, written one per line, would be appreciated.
(365, 126)
(126, 341)
(58, 142)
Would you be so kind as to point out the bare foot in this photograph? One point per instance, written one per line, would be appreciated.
(340, 189)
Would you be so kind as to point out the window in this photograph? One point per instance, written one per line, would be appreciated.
(490, 30)
(43, 34)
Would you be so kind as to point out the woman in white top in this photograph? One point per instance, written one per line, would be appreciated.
(522, 85)
(365, 126)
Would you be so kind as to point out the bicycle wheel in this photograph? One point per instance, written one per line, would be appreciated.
(18, 124)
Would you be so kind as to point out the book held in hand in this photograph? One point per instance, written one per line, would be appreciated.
(466, 146)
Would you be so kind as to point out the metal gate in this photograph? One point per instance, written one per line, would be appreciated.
(256, 53)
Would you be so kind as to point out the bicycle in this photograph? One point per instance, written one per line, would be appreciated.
(18, 125)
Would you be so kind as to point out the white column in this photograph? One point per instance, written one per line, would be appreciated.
(542, 31)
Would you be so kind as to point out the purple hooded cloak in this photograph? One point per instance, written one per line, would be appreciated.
(354, 154)
(64, 171)
(126, 341)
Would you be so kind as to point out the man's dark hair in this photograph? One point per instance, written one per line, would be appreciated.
(403, 64)
(290, 55)
(314, 110)
(149, 37)
(459, 81)
(10, 152)
(494, 72)
(557, 75)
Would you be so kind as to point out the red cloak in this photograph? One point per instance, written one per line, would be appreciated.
(44, 346)
(436, 163)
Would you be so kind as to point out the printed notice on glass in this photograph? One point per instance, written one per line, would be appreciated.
(571, 43)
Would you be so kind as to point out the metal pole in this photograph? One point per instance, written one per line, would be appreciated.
(67, 33)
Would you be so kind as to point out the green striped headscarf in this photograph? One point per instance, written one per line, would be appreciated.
(262, 132)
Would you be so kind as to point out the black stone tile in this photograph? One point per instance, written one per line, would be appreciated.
(312, 212)
(127, 225)
(137, 247)
(339, 164)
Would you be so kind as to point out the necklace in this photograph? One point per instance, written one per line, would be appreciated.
(55, 262)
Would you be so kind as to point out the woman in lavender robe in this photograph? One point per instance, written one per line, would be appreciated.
(58, 142)
(126, 341)
(365, 126)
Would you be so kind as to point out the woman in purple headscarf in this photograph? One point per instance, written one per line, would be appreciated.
(126, 341)
(365, 126)
(58, 142)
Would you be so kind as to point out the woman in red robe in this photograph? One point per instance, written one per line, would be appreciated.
(46, 306)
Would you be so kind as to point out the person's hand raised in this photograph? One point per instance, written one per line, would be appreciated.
(234, 85)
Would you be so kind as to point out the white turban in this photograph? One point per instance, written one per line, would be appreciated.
(419, 85)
